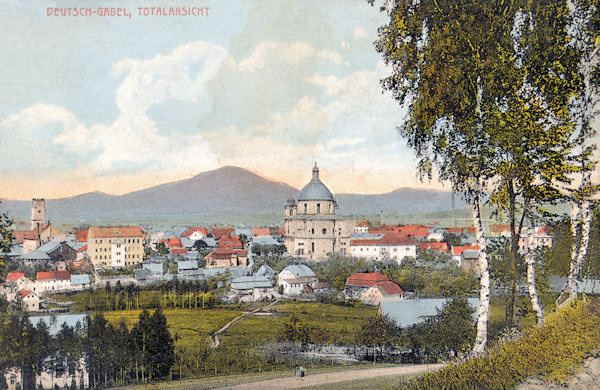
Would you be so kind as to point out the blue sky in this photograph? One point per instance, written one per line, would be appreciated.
(115, 104)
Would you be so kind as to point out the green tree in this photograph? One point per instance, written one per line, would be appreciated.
(6, 238)
(379, 331)
(585, 39)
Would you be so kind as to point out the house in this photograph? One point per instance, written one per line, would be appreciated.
(392, 246)
(372, 287)
(383, 290)
(470, 262)
(50, 281)
(59, 251)
(231, 242)
(294, 278)
(115, 246)
(218, 233)
(82, 252)
(187, 265)
(81, 235)
(195, 233)
(179, 251)
(29, 300)
(80, 282)
(16, 280)
(457, 251)
(415, 232)
(35, 257)
(172, 242)
(362, 227)
(256, 286)
(226, 258)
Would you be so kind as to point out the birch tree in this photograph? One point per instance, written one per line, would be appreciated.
(450, 67)
(585, 36)
(533, 129)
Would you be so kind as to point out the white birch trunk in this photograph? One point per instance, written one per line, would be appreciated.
(536, 303)
(570, 283)
(484, 289)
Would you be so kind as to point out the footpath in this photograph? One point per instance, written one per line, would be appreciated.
(336, 377)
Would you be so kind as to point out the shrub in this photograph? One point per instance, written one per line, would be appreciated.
(552, 352)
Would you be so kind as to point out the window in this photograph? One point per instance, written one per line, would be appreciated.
(318, 208)
(312, 247)
(312, 231)
(324, 231)
(305, 208)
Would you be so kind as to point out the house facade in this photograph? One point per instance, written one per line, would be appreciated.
(115, 246)
(295, 278)
(390, 247)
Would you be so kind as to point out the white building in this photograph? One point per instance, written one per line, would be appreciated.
(294, 278)
(390, 247)
(51, 281)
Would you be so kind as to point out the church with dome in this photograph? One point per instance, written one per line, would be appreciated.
(312, 229)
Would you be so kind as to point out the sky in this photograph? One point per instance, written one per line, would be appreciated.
(118, 104)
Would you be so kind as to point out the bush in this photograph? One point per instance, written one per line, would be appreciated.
(552, 352)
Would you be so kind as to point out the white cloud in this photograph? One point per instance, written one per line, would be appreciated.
(133, 142)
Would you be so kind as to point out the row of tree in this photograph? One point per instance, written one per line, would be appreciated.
(111, 354)
(501, 97)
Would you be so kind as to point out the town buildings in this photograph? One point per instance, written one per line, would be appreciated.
(115, 246)
(312, 228)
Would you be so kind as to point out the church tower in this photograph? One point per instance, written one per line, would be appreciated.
(38, 213)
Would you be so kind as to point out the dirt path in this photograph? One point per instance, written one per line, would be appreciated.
(215, 341)
(335, 377)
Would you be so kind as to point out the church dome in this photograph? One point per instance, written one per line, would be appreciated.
(315, 190)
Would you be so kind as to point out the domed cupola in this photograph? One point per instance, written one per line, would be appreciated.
(315, 190)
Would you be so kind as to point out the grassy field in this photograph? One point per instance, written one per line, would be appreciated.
(192, 326)
(188, 326)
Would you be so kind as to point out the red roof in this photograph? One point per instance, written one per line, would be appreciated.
(436, 246)
(22, 235)
(53, 275)
(179, 251)
(414, 230)
(461, 230)
(171, 242)
(81, 235)
(82, 249)
(544, 229)
(191, 231)
(366, 279)
(14, 276)
(115, 231)
(23, 293)
(459, 249)
(218, 233)
(389, 287)
(230, 242)
(364, 223)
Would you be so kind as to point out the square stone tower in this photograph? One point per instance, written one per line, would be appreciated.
(38, 212)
